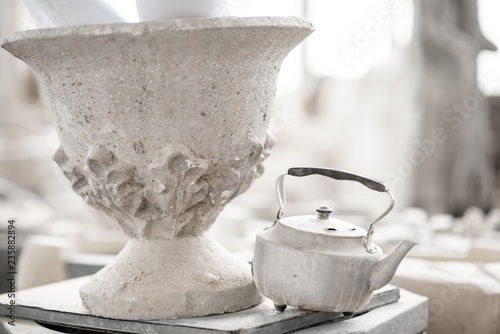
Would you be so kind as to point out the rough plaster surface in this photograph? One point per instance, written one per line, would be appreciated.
(161, 124)
(187, 275)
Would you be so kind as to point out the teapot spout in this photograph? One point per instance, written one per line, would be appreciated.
(383, 271)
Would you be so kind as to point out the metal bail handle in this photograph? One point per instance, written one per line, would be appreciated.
(337, 175)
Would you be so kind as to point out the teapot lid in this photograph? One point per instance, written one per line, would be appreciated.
(323, 224)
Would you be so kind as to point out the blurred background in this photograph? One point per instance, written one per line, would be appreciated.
(405, 92)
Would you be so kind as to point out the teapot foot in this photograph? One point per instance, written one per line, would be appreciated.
(348, 314)
(279, 307)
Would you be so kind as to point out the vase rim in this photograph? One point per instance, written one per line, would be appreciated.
(159, 26)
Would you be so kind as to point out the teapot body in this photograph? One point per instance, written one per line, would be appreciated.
(321, 263)
(314, 271)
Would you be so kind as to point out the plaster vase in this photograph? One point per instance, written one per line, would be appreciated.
(161, 124)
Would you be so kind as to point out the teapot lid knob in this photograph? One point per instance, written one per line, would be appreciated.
(324, 212)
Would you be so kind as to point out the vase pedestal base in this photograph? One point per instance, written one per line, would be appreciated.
(167, 279)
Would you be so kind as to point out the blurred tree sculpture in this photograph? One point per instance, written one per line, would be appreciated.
(455, 172)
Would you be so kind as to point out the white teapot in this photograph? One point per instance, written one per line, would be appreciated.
(322, 263)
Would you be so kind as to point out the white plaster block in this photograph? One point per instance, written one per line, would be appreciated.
(463, 297)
